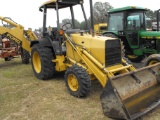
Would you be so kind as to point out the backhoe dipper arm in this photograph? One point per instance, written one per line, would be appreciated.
(16, 33)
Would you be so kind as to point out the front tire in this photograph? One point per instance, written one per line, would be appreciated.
(77, 81)
(41, 60)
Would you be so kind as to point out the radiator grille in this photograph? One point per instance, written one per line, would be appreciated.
(112, 52)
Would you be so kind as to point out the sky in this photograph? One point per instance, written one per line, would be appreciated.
(26, 12)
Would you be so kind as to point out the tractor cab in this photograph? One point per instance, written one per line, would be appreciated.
(127, 18)
(130, 24)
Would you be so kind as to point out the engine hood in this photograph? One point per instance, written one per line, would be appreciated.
(150, 34)
(96, 46)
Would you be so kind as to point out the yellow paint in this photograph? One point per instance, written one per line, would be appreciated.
(17, 34)
(99, 28)
(150, 37)
(90, 53)
(144, 37)
(72, 82)
(48, 2)
(94, 45)
(153, 62)
(36, 62)
(60, 65)
(53, 3)
(157, 37)
(132, 56)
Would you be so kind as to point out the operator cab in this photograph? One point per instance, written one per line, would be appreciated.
(55, 33)
(68, 27)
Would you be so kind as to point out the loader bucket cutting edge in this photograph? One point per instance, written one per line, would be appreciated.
(131, 95)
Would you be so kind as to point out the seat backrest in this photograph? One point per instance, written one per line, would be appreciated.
(71, 31)
(58, 47)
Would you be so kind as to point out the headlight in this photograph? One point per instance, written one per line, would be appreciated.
(152, 41)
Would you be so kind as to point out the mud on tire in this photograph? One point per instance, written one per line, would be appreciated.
(41, 60)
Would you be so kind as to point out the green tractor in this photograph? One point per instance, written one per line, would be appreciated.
(130, 25)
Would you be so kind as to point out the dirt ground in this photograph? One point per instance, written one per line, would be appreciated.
(23, 97)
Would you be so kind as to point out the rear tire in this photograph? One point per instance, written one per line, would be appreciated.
(25, 56)
(41, 60)
(152, 59)
(77, 81)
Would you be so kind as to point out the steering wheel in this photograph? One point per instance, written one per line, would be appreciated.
(66, 26)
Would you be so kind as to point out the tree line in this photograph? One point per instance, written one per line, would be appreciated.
(100, 10)
(99, 15)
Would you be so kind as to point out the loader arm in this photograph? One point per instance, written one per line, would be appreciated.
(17, 34)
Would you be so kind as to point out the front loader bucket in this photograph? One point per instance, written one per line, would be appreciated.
(131, 95)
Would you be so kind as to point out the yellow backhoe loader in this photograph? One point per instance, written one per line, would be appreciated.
(100, 28)
(128, 93)
(15, 40)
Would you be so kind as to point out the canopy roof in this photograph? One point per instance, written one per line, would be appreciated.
(61, 3)
(127, 8)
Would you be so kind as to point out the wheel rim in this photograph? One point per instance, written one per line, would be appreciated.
(73, 82)
(36, 62)
(132, 56)
(153, 62)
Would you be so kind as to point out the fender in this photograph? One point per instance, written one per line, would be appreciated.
(45, 42)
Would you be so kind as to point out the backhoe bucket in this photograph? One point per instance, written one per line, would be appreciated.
(131, 95)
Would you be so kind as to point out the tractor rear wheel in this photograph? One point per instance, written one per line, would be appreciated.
(41, 60)
(77, 81)
(135, 58)
(152, 59)
(25, 56)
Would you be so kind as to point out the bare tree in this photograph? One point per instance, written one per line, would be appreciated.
(76, 22)
(151, 14)
(100, 10)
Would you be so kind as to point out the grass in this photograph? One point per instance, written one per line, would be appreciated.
(23, 97)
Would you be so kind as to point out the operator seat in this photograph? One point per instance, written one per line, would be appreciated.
(56, 43)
